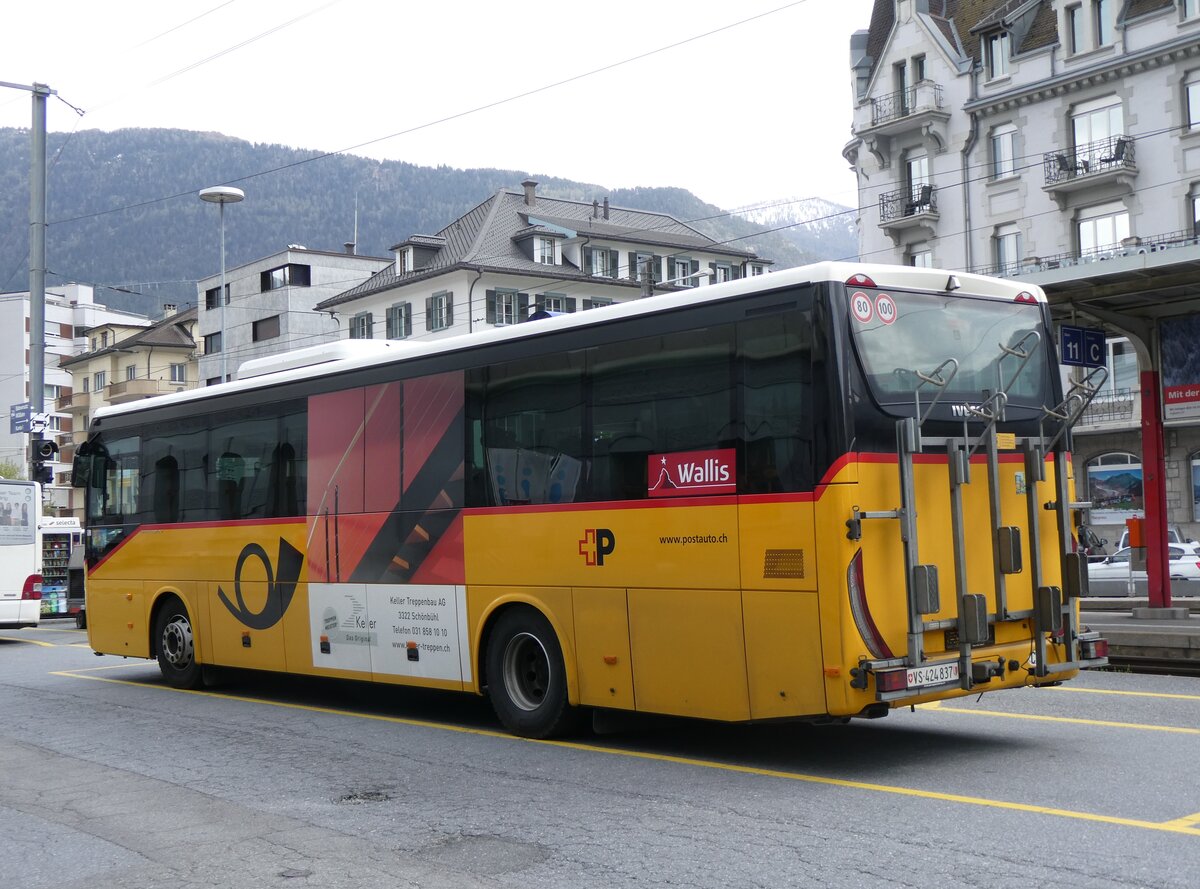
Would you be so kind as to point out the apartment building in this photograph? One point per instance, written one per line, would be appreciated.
(1056, 141)
(519, 253)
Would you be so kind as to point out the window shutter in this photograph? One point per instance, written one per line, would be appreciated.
(429, 313)
(389, 319)
(670, 268)
(587, 304)
(370, 326)
(406, 312)
(539, 302)
(522, 306)
(634, 271)
(614, 263)
(712, 278)
(655, 268)
(735, 271)
(695, 268)
(449, 309)
(490, 314)
(587, 260)
(569, 302)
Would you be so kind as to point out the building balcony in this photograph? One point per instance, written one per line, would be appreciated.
(1134, 246)
(1116, 409)
(1109, 161)
(915, 109)
(908, 208)
(77, 403)
(134, 390)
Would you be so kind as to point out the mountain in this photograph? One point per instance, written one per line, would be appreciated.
(123, 210)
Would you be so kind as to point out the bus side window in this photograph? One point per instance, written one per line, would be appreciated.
(230, 469)
(166, 490)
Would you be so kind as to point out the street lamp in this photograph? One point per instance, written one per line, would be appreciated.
(222, 195)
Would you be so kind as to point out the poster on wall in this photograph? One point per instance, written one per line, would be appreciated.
(1180, 366)
(1115, 493)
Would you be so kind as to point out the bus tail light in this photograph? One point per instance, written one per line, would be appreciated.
(861, 612)
(891, 680)
(33, 587)
(1090, 649)
(859, 280)
(1025, 297)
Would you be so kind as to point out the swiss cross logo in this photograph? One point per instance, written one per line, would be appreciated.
(596, 544)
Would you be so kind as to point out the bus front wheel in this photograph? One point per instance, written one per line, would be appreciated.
(176, 647)
(526, 679)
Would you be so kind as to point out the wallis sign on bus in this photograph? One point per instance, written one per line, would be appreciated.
(692, 473)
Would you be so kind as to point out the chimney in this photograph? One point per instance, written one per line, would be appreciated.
(595, 209)
(169, 309)
(530, 186)
(349, 245)
(606, 207)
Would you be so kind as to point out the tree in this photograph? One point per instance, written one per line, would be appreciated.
(11, 469)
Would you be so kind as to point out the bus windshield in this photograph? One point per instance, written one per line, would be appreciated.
(911, 333)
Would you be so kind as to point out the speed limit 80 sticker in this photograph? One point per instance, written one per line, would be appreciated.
(862, 307)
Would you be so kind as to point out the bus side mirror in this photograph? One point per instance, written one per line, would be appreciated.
(81, 466)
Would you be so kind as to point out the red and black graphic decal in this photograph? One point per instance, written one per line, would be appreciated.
(386, 483)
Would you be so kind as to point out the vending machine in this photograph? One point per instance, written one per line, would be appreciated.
(61, 544)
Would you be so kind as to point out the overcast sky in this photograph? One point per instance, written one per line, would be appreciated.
(741, 103)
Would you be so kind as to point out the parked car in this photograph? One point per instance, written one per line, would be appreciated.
(1174, 535)
(1184, 562)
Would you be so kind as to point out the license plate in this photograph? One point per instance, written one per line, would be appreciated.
(934, 674)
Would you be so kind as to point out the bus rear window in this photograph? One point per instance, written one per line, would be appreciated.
(901, 335)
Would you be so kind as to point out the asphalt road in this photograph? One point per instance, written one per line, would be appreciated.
(110, 779)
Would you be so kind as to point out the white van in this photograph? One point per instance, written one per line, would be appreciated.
(1174, 535)
(20, 554)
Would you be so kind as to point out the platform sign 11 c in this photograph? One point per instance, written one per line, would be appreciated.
(1082, 346)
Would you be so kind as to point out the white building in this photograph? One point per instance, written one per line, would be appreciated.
(1056, 141)
(71, 311)
(270, 305)
(518, 253)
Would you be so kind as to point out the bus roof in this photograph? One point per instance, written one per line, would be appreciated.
(344, 355)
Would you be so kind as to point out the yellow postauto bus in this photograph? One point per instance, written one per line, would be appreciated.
(816, 494)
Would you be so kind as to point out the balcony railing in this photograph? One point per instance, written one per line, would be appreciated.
(1113, 153)
(1128, 247)
(907, 202)
(1110, 407)
(894, 106)
(132, 390)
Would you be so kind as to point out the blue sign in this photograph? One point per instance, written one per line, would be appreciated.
(1082, 346)
(18, 418)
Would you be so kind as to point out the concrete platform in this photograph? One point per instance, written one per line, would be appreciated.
(1151, 635)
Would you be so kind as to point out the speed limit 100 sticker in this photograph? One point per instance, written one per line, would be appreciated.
(862, 307)
(885, 307)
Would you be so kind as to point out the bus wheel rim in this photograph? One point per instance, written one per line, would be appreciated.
(177, 643)
(526, 671)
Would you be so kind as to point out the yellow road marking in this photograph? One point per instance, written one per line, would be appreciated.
(1072, 720)
(1186, 821)
(1180, 826)
(45, 629)
(30, 641)
(1131, 694)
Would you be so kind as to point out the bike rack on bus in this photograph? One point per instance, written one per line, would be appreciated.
(973, 622)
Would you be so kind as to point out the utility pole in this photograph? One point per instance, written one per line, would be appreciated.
(39, 450)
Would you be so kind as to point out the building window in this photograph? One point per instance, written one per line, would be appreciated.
(721, 272)
(1102, 228)
(1195, 202)
(596, 302)
(918, 65)
(399, 321)
(756, 270)
(361, 326)
(95, 343)
(920, 256)
(87, 382)
(210, 297)
(131, 371)
(1094, 125)
(1191, 8)
(212, 344)
(1191, 97)
(439, 311)
(99, 380)
(266, 328)
(506, 306)
(291, 275)
(1008, 249)
(178, 373)
(1004, 151)
(404, 261)
(1103, 20)
(997, 54)
(1075, 29)
(601, 262)
(543, 250)
(104, 340)
(554, 302)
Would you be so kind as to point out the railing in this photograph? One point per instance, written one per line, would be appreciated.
(1128, 247)
(1110, 407)
(907, 202)
(902, 103)
(1115, 152)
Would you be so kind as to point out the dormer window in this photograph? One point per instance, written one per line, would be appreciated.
(404, 262)
(996, 49)
(543, 251)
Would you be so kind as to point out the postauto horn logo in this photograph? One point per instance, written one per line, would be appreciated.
(596, 544)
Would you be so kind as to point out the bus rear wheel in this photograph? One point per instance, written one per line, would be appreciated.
(176, 647)
(527, 682)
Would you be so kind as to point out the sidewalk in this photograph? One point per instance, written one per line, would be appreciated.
(1142, 638)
